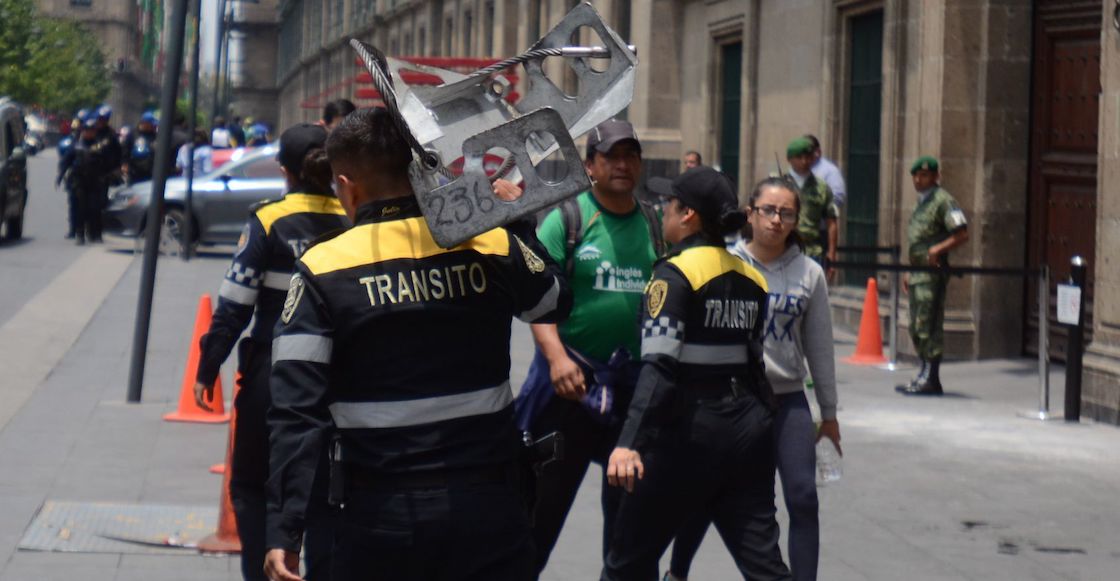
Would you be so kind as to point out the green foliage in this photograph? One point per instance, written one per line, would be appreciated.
(48, 62)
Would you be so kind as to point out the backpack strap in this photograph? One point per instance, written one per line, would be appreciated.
(573, 229)
(654, 223)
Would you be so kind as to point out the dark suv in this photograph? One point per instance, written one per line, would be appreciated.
(13, 169)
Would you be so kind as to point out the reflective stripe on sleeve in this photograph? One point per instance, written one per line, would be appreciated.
(712, 354)
(661, 345)
(277, 280)
(302, 347)
(546, 305)
(237, 293)
(413, 412)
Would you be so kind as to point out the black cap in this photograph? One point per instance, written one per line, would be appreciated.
(606, 134)
(707, 191)
(296, 141)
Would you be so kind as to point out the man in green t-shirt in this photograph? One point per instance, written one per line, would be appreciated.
(609, 264)
(937, 226)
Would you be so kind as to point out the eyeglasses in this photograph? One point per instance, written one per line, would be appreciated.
(787, 215)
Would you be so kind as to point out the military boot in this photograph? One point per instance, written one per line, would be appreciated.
(929, 384)
(917, 378)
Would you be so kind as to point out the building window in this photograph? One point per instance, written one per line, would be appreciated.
(730, 107)
(448, 32)
(488, 27)
(468, 30)
(422, 42)
(81, 2)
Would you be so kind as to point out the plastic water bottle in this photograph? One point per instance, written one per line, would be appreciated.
(829, 468)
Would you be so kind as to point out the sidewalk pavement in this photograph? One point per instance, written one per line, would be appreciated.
(951, 488)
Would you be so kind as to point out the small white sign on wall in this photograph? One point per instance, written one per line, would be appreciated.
(1069, 304)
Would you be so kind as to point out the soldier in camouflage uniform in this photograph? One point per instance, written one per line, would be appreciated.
(937, 226)
(817, 204)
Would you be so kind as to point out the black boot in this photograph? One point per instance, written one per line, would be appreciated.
(917, 378)
(81, 239)
(929, 384)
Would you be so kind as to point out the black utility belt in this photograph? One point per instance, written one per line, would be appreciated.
(361, 478)
(726, 390)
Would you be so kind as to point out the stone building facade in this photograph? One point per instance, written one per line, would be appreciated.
(1018, 98)
(254, 37)
(116, 26)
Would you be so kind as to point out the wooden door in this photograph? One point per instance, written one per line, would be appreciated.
(1062, 215)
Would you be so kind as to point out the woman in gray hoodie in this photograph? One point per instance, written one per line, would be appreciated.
(798, 330)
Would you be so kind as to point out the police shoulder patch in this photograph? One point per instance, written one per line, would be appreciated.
(243, 241)
(532, 261)
(655, 296)
(295, 293)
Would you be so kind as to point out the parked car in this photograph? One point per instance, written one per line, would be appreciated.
(220, 201)
(13, 169)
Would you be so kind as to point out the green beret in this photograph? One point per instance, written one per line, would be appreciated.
(927, 162)
(799, 146)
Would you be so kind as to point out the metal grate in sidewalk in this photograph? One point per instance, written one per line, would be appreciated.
(103, 527)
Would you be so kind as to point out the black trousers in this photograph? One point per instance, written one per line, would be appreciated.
(476, 532)
(719, 461)
(87, 200)
(585, 441)
(250, 473)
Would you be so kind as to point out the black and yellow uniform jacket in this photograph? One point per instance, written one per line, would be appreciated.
(702, 325)
(404, 347)
(276, 235)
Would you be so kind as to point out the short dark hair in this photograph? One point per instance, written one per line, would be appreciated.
(368, 146)
(337, 108)
(813, 139)
(699, 158)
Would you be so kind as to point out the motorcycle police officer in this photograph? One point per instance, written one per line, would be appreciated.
(139, 150)
(698, 435)
(65, 161)
(403, 348)
(84, 170)
(274, 237)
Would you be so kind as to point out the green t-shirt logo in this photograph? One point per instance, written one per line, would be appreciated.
(620, 279)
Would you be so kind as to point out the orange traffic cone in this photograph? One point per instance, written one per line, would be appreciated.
(869, 346)
(225, 539)
(189, 411)
(221, 468)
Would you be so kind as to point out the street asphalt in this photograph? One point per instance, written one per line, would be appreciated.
(958, 487)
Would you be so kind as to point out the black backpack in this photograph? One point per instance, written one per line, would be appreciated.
(573, 228)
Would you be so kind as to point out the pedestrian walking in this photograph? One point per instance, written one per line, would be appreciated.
(335, 111)
(817, 204)
(202, 158)
(607, 241)
(403, 348)
(692, 159)
(220, 137)
(256, 283)
(798, 330)
(698, 437)
(937, 226)
(826, 170)
(85, 180)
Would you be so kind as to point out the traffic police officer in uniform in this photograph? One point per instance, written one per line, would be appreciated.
(275, 236)
(403, 347)
(698, 435)
(139, 150)
(937, 226)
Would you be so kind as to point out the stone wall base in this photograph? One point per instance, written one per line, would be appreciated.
(1100, 385)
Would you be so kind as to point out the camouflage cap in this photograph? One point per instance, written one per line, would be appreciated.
(926, 162)
(799, 146)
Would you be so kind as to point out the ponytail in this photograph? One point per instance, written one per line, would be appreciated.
(315, 172)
